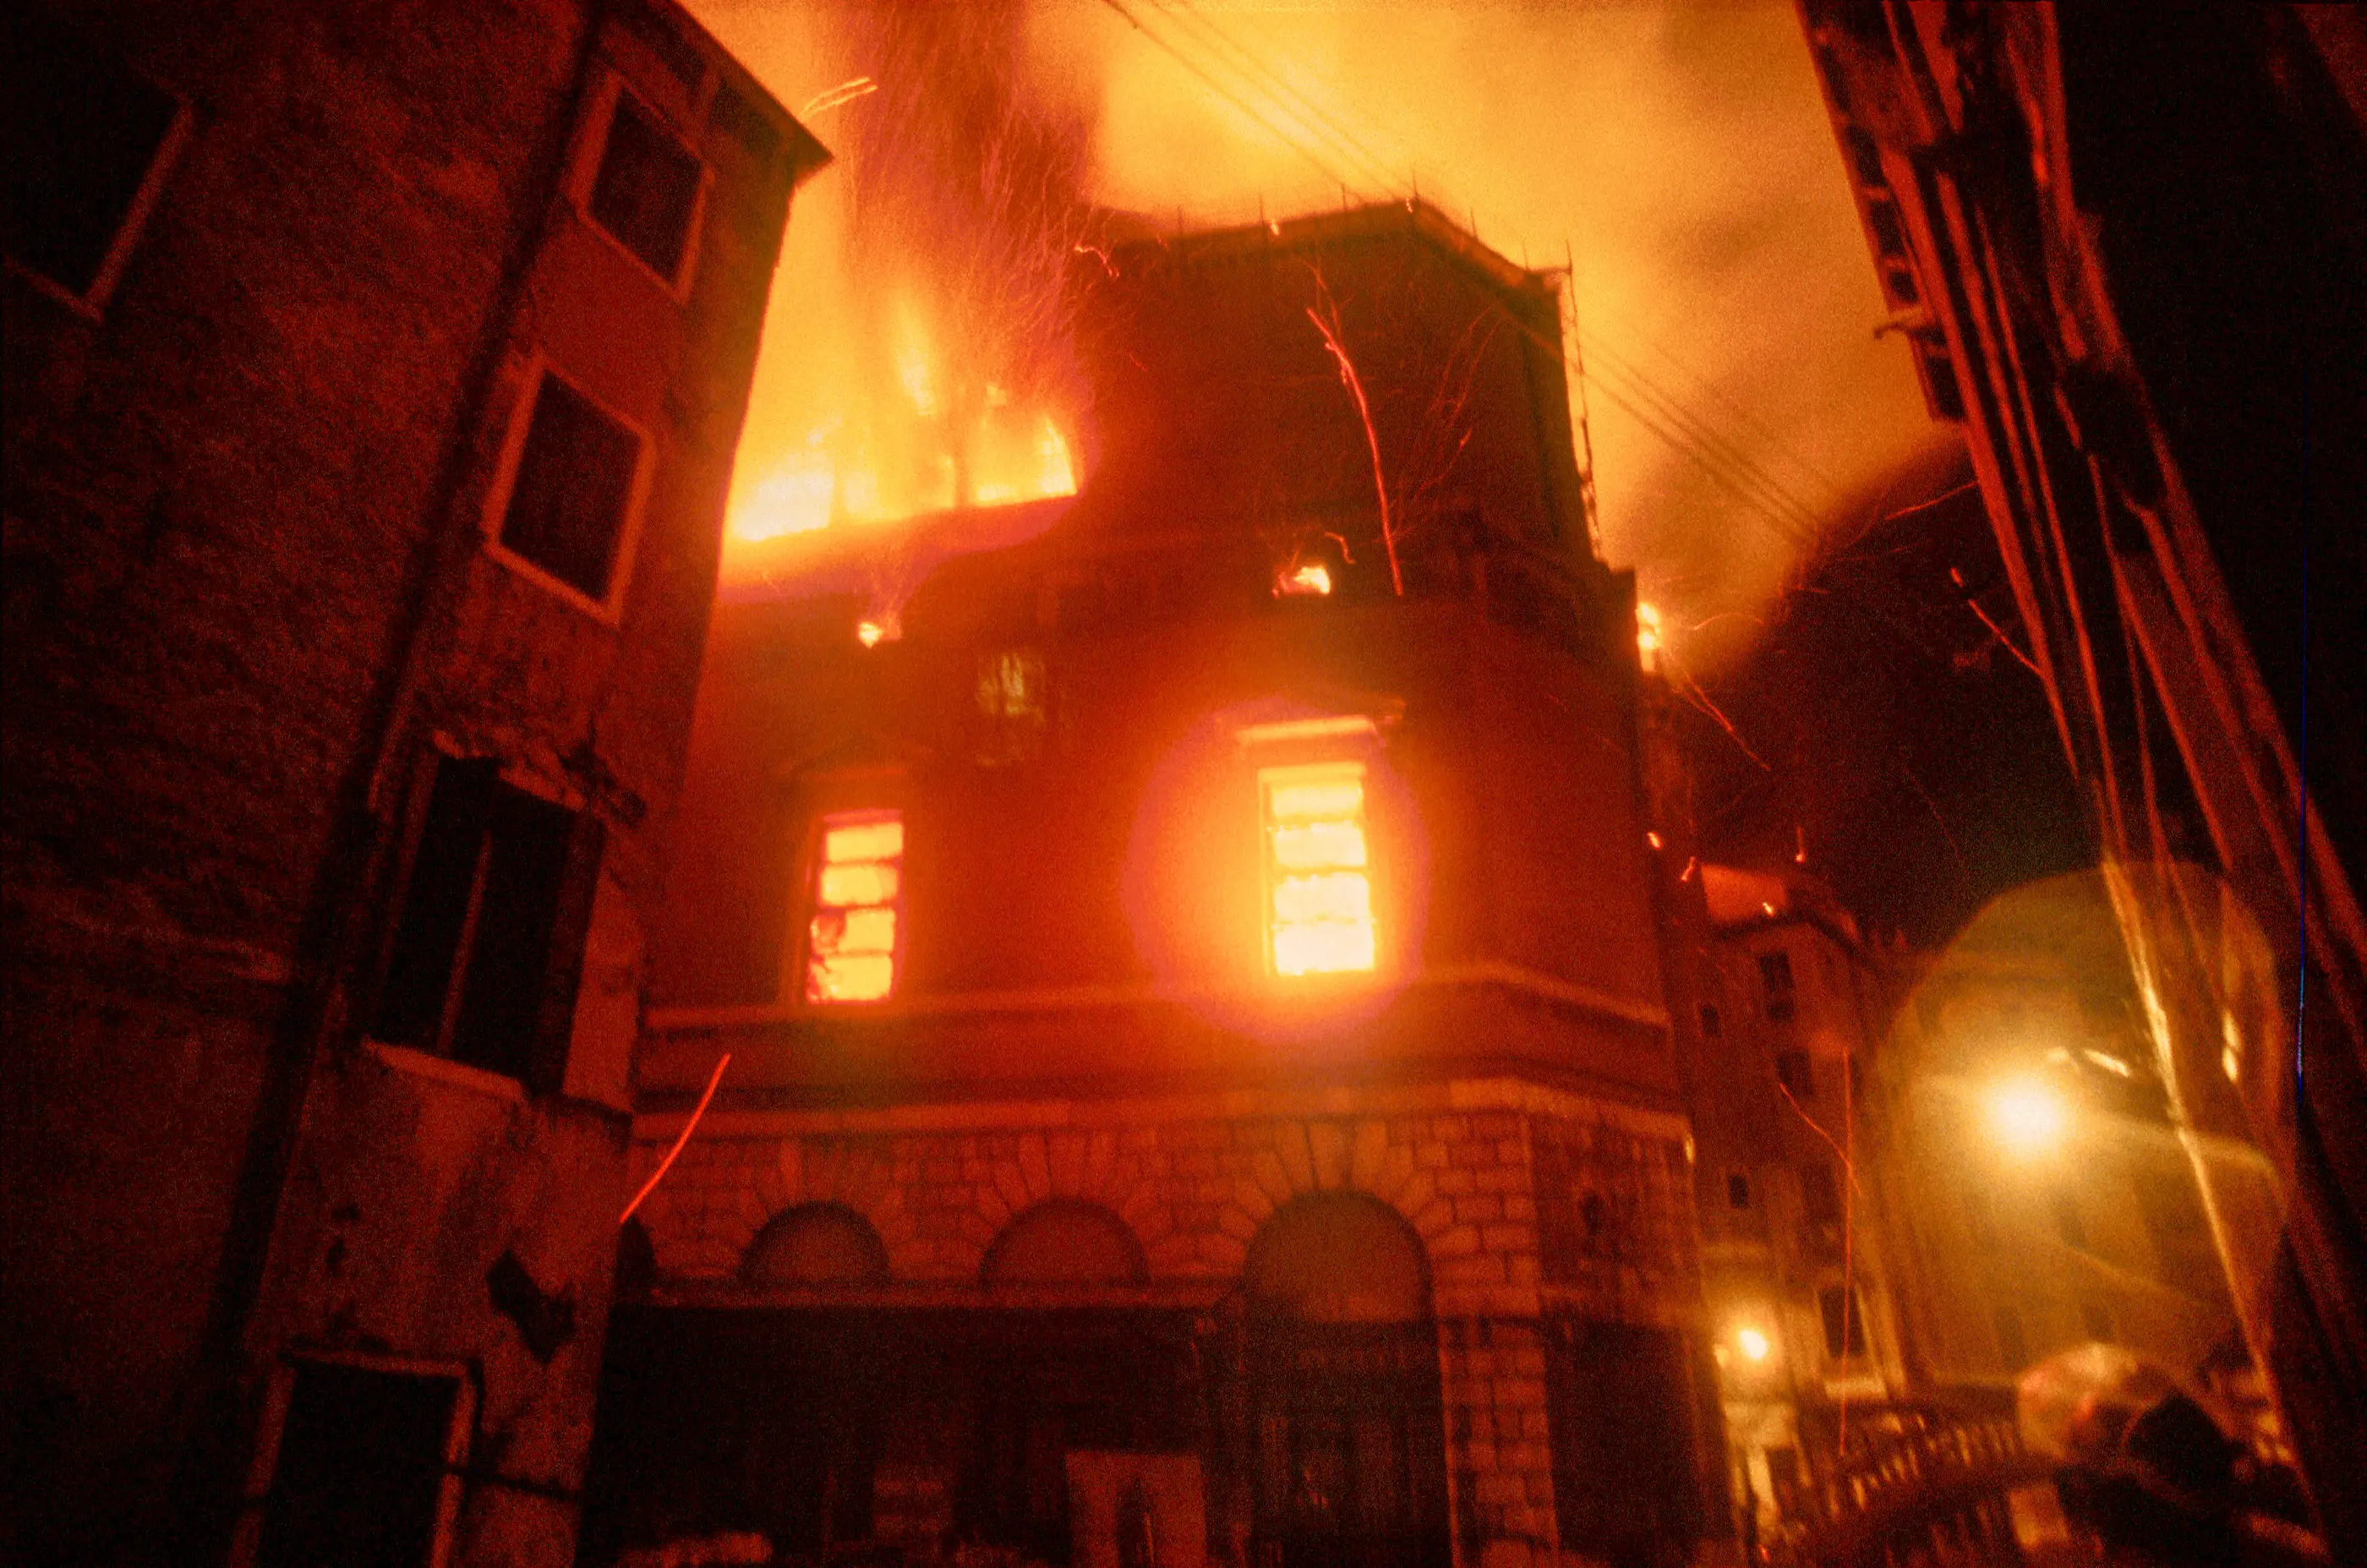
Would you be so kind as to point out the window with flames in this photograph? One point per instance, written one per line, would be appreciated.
(1319, 892)
(851, 941)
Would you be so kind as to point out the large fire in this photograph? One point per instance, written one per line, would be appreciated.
(1680, 160)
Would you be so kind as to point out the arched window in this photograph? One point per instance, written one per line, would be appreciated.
(1343, 1391)
(1338, 1257)
(815, 1244)
(1065, 1241)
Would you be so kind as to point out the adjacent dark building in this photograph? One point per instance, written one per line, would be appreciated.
(372, 383)
(2127, 251)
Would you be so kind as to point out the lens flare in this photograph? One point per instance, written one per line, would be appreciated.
(2028, 1117)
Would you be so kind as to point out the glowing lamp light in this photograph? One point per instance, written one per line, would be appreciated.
(873, 631)
(1753, 1344)
(2027, 1116)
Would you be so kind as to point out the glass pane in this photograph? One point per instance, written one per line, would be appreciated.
(865, 882)
(1319, 844)
(1323, 948)
(1345, 895)
(864, 841)
(850, 978)
(1300, 800)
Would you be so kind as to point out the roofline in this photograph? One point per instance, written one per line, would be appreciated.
(1411, 215)
(805, 154)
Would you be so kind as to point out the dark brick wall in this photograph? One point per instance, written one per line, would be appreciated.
(243, 504)
(217, 496)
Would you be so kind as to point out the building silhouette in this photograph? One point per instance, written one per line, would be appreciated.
(1791, 1012)
(372, 380)
(1191, 979)
(2126, 258)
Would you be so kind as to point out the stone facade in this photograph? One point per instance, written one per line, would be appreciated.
(1195, 1179)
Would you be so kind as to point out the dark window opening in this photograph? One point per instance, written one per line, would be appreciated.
(83, 130)
(1737, 1190)
(574, 482)
(1013, 709)
(1796, 1073)
(361, 1468)
(1843, 1311)
(1821, 1195)
(488, 947)
(1775, 980)
(647, 188)
(1712, 1026)
(2068, 1223)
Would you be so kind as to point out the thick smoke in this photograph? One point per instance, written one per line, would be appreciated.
(1678, 157)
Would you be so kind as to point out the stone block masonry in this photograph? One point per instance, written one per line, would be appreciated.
(1195, 1180)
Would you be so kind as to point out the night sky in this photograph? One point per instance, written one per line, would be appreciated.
(1893, 735)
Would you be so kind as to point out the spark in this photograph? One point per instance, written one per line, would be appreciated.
(688, 1128)
(1995, 630)
(1363, 411)
(845, 93)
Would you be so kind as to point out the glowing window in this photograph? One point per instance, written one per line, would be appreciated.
(858, 893)
(1319, 896)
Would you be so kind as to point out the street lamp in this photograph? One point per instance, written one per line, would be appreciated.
(2027, 1116)
(1753, 1344)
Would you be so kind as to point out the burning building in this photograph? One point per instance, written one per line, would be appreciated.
(1194, 1020)
(373, 385)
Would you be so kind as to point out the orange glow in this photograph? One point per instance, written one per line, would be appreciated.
(1314, 577)
(2026, 1116)
(858, 893)
(1614, 138)
(1319, 896)
(1648, 635)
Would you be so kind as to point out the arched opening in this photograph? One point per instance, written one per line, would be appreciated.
(815, 1244)
(1065, 1241)
(1088, 1379)
(1348, 1436)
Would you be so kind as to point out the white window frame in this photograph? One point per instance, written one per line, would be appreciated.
(92, 302)
(592, 149)
(280, 1391)
(628, 527)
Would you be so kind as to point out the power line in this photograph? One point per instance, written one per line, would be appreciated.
(1277, 87)
(1197, 69)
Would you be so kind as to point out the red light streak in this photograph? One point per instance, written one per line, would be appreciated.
(688, 1129)
(1364, 412)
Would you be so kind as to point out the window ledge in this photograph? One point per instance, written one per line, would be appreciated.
(444, 1070)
